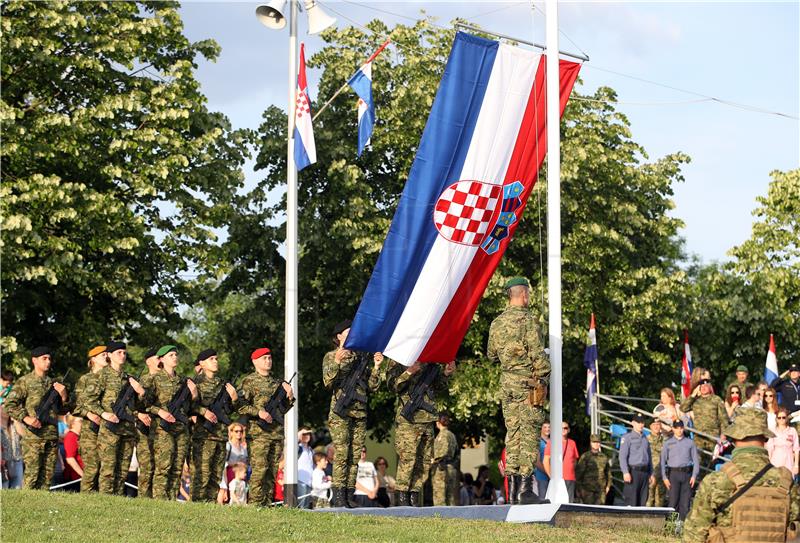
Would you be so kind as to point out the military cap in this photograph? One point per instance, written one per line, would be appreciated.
(794, 367)
(208, 353)
(150, 353)
(36, 352)
(677, 424)
(342, 326)
(750, 422)
(258, 353)
(166, 349)
(115, 346)
(742, 367)
(594, 438)
(638, 418)
(94, 351)
(516, 282)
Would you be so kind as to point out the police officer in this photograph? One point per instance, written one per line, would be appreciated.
(680, 466)
(593, 474)
(636, 464)
(98, 359)
(515, 343)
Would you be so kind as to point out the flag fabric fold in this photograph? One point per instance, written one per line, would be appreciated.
(771, 365)
(305, 150)
(686, 367)
(361, 83)
(590, 361)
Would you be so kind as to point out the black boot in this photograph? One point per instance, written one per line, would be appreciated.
(526, 495)
(351, 498)
(414, 499)
(338, 497)
(401, 498)
(513, 489)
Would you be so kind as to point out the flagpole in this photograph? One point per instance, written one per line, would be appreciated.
(557, 489)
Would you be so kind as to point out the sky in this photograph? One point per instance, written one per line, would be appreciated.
(742, 52)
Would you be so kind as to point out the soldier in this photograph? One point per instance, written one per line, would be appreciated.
(740, 378)
(515, 343)
(788, 389)
(709, 415)
(171, 440)
(98, 359)
(117, 435)
(636, 463)
(145, 432)
(413, 437)
(40, 441)
(657, 492)
(349, 426)
(208, 445)
(679, 468)
(265, 435)
(593, 474)
(445, 454)
(768, 506)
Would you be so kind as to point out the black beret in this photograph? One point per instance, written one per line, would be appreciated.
(40, 351)
(677, 424)
(638, 418)
(206, 354)
(115, 346)
(342, 326)
(150, 353)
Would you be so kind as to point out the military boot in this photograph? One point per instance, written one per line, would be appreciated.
(350, 499)
(513, 489)
(414, 499)
(401, 497)
(526, 495)
(338, 497)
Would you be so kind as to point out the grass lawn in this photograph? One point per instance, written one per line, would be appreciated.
(33, 516)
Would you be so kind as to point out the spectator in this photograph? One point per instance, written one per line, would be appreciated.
(330, 453)
(305, 467)
(466, 492)
(733, 399)
(569, 454)
(320, 483)
(483, 488)
(501, 467)
(386, 483)
(784, 448)
(73, 464)
(740, 378)
(6, 384)
(237, 488)
(753, 397)
(762, 388)
(542, 479)
(184, 491)
(789, 389)
(366, 482)
(668, 410)
(131, 483)
(278, 487)
(10, 452)
(235, 453)
(770, 405)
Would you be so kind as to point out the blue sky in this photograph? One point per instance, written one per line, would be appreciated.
(738, 51)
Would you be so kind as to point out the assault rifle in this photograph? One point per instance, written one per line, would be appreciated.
(276, 406)
(423, 388)
(175, 405)
(124, 405)
(221, 407)
(350, 386)
(50, 401)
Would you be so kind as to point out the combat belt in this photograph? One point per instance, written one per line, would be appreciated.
(537, 391)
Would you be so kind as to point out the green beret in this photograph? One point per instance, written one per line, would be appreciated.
(517, 281)
(166, 349)
(741, 367)
(594, 438)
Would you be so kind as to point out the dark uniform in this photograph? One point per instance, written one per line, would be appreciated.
(789, 391)
(635, 458)
(680, 463)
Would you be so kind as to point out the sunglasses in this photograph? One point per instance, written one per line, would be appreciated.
(781, 418)
(704, 382)
(768, 395)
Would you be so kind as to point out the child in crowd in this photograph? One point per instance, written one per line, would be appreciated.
(237, 489)
(184, 492)
(320, 483)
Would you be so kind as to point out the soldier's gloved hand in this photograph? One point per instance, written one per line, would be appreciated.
(110, 417)
(288, 388)
(145, 418)
(341, 353)
(62, 391)
(263, 415)
(210, 416)
(450, 368)
(378, 359)
(192, 388)
(32, 421)
(231, 392)
(414, 368)
(136, 386)
(94, 418)
(164, 414)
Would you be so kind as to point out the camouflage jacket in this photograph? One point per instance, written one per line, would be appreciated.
(656, 445)
(101, 393)
(709, 413)
(403, 383)
(207, 391)
(593, 472)
(79, 408)
(717, 487)
(256, 390)
(445, 447)
(515, 342)
(161, 391)
(334, 376)
(24, 399)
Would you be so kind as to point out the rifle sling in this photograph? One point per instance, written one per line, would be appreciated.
(745, 487)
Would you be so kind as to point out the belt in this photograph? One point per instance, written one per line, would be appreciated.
(643, 467)
(682, 469)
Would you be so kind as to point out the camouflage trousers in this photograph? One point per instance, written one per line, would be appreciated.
(115, 454)
(705, 459)
(349, 436)
(444, 482)
(170, 451)
(39, 456)
(144, 454)
(592, 496)
(91, 458)
(208, 461)
(523, 428)
(657, 492)
(414, 445)
(264, 454)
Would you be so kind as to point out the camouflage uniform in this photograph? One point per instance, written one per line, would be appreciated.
(171, 446)
(592, 477)
(264, 446)
(710, 417)
(515, 342)
(39, 447)
(657, 492)
(445, 475)
(349, 433)
(145, 442)
(88, 440)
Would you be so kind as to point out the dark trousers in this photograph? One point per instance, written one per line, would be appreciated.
(680, 492)
(635, 492)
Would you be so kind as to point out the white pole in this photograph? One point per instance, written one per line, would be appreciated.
(557, 489)
(290, 361)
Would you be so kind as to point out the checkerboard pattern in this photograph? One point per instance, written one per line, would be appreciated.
(302, 107)
(465, 209)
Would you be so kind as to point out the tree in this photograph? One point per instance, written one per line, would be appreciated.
(115, 175)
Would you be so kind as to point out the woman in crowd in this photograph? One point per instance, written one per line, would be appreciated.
(770, 404)
(668, 410)
(784, 448)
(483, 488)
(386, 483)
(10, 452)
(73, 464)
(733, 399)
(467, 491)
(235, 453)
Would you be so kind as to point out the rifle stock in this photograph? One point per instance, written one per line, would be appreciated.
(349, 388)
(50, 400)
(175, 406)
(275, 406)
(422, 388)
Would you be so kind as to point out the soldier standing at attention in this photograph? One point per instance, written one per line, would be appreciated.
(208, 446)
(680, 466)
(515, 343)
(171, 440)
(413, 437)
(264, 436)
(445, 455)
(98, 359)
(657, 492)
(764, 510)
(349, 427)
(145, 432)
(117, 436)
(636, 464)
(708, 414)
(593, 474)
(40, 442)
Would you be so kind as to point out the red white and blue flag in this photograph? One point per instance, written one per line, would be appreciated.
(305, 151)
(771, 366)
(590, 361)
(686, 367)
(476, 164)
(361, 83)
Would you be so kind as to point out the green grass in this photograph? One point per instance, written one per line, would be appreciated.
(33, 516)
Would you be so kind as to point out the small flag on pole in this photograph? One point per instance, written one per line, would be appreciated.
(771, 366)
(686, 367)
(590, 361)
(361, 83)
(305, 150)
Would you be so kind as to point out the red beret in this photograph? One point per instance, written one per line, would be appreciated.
(258, 353)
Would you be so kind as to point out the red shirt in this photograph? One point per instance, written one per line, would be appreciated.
(279, 486)
(570, 453)
(71, 451)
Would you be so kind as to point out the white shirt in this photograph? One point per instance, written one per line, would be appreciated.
(366, 477)
(305, 464)
(319, 486)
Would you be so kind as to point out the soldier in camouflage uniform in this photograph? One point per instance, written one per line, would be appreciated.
(515, 343)
(593, 474)
(40, 442)
(657, 492)
(145, 432)
(413, 437)
(709, 416)
(116, 438)
(749, 433)
(171, 444)
(208, 447)
(265, 446)
(348, 432)
(98, 359)
(444, 479)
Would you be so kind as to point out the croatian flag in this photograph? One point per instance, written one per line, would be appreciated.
(771, 367)
(361, 83)
(686, 367)
(305, 151)
(476, 164)
(590, 361)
